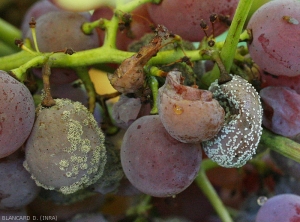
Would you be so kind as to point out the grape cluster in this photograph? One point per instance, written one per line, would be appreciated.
(68, 150)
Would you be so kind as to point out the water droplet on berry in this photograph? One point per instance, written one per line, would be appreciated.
(178, 110)
(261, 200)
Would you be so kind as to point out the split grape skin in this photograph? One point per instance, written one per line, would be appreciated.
(156, 163)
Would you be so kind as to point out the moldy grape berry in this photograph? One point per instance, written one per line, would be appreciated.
(238, 139)
(65, 150)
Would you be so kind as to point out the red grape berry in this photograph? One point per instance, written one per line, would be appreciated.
(184, 17)
(17, 113)
(281, 110)
(275, 41)
(280, 208)
(156, 163)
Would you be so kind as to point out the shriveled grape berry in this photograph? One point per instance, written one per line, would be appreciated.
(126, 110)
(188, 114)
(17, 113)
(156, 163)
(238, 139)
(65, 150)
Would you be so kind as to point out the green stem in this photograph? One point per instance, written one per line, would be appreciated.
(83, 74)
(20, 73)
(88, 27)
(15, 60)
(9, 34)
(33, 33)
(111, 33)
(208, 190)
(228, 51)
(113, 24)
(153, 83)
(94, 56)
(280, 144)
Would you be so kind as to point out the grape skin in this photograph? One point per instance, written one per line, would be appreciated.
(183, 17)
(189, 114)
(126, 111)
(281, 110)
(17, 114)
(139, 26)
(154, 162)
(281, 80)
(57, 31)
(280, 208)
(275, 40)
(238, 139)
(36, 10)
(12, 174)
(65, 150)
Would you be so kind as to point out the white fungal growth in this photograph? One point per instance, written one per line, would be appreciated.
(238, 139)
(67, 153)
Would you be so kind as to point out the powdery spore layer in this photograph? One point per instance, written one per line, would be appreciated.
(238, 139)
(65, 150)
